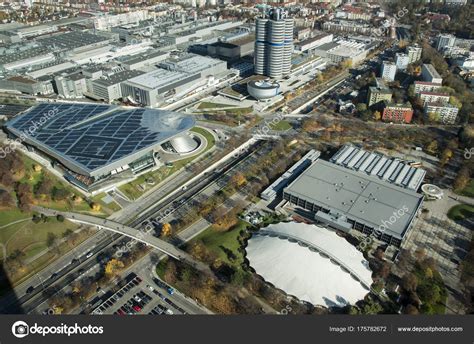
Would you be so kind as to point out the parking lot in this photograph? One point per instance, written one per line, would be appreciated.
(136, 297)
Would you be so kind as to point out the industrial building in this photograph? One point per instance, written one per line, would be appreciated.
(360, 190)
(91, 143)
(109, 87)
(342, 50)
(274, 44)
(174, 78)
(391, 170)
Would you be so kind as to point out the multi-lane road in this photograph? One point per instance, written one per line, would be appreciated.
(72, 265)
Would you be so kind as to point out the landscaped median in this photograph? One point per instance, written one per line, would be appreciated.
(461, 212)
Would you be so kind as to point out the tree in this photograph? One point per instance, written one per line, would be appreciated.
(462, 179)
(432, 147)
(51, 239)
(60, 218)
(446, 155)
(409, 282)
(238, 179)
(166, 229)
(95, 207)
(113, 267)
(377, 115)
(6, 200)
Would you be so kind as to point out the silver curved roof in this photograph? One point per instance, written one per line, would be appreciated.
(94, 139)
(309, 262)
(183, 143)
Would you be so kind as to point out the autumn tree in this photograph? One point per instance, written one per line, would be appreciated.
(462, 179)
(166, 229)
(113, 267)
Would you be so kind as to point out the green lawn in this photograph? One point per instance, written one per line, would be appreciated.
(280, 125)
(30, 237)
(461, 212)
(215, 240)
(209, 105)
(132, 190)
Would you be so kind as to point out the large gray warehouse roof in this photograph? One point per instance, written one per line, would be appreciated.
(360, 197)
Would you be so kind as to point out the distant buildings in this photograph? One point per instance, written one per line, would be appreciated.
(445, 41)
(314, 42)
(398, 113)
(274, 44)
(441, 112)
(388, 71)
(425, 86)
(378, 94)
(342, 50)
(402, 61)
(429, 73)
(434, 97)
(414, 53)
(27, 85)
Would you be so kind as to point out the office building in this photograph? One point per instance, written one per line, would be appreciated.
(273, 44)
(378, 94)
(434, 97)
(429, 73)
(109, 87)
(441, 112)
(445, 41)
(402, 61)
(414, 53)
(388, 71)
(425, 86)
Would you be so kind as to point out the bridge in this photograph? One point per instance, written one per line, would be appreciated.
(133, 233)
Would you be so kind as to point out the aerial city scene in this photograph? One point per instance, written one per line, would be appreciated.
(219, 157)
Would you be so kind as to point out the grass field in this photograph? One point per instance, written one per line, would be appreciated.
(132, 190)
(30, 237)
(215, 241)
(280, 125)
(461, 212)
(209, 105)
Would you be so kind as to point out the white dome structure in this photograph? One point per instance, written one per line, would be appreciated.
(183, 144)
(311, 263)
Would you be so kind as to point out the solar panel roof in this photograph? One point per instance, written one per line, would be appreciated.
(97, 138)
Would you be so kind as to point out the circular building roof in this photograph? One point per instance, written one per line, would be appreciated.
(311, 263)
(432, 191)
(184, 144)
(263, 89)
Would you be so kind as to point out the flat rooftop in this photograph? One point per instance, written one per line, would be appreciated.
(160, 78)
(360, 197)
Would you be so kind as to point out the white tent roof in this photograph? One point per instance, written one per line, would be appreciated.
(309, 262)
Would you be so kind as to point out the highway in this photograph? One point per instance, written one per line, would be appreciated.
(65, 272)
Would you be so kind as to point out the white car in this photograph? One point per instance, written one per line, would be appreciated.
(150, 288)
